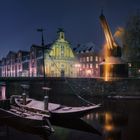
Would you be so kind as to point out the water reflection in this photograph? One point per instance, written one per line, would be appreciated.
(110, 122)
(118, 119)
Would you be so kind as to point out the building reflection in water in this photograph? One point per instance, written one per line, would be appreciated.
(111, 124)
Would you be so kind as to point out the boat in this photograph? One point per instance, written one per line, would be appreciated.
(26, 118)
(56, 110)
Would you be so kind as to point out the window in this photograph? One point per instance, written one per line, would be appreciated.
(62, 50)
(87, 59)
(19, 67)
(97, 66)
(91, 66)
(96, 58)
(83, 59)
(100, 59)
(91, 58)
(52, 64)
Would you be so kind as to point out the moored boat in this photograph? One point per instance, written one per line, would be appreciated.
(56, 110)
(11, 113)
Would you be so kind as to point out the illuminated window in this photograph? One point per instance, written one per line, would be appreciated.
(91, 58)
(100, 59)
(87, 59)
(91, 66)
(97, 66)
(87, 66)
(96, 58)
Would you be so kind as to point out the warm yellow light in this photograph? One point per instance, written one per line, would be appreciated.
(106, 66)
(88, 72)
(77, 65)
(119, 32)
(108, 127)
(108, 122)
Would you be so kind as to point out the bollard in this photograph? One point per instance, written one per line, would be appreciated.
(46, 100)
(24, 98)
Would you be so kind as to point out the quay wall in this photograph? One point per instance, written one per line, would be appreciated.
(73, 86)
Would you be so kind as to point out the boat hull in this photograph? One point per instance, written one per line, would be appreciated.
(9, 117)
(74, 114)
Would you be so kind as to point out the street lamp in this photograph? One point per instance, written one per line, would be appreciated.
(43, 49)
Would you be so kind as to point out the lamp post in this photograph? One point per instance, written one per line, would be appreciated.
(43, 49)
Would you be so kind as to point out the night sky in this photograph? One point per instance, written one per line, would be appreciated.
(19, 20)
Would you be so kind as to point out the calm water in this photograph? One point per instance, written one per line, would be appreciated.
(116, 120)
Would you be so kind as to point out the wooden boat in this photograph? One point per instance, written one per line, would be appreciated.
(56, 110)
(27, 118)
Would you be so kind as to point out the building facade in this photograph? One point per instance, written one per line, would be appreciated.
(59, 58)
(89, 58)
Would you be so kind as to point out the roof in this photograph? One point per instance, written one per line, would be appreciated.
(88, 47)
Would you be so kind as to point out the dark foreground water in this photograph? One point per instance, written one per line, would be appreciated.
(117, 120)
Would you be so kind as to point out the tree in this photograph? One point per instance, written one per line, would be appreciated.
(131, 38)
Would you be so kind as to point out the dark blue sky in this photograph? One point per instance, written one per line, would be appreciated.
(19, 20)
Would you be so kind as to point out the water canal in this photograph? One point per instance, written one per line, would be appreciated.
(118, 119)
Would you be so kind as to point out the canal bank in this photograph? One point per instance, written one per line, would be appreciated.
(73, 87)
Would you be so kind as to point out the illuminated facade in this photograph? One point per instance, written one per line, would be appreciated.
(15, 64)
(89, 59)
(59, 58)
(8, 65)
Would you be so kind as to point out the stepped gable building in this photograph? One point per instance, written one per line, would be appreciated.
(15, 64)
(59, 58)
(89, 58)
(9, 64)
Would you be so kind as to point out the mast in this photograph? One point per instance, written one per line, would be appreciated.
(43, 50)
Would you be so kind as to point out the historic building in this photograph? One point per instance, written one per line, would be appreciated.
(8, 65)
(22, 64)
(59, 58)
(89, 58)
(56, 58)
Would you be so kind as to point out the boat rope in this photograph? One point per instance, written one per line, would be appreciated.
(74, 91)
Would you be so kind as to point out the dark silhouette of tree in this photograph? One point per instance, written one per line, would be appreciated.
(131, 38)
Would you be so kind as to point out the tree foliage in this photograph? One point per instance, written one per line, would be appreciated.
(131, 38)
